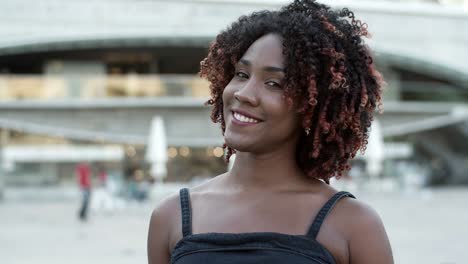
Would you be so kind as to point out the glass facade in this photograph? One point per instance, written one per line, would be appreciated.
(45, 87)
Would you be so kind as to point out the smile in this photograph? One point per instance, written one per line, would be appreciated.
(244, 119)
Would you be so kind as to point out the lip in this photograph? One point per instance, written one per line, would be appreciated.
(247, 114)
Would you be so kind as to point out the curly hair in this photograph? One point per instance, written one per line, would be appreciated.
(330, 79)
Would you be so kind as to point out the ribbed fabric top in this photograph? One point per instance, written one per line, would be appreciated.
(250, 248)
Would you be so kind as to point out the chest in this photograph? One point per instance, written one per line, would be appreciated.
(284, 214)
(253, 214)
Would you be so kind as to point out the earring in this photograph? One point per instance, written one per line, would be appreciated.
(307, 131)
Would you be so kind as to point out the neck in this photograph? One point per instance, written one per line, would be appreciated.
(273, 170)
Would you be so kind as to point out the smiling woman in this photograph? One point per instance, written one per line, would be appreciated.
(257, 119)
(294, 91)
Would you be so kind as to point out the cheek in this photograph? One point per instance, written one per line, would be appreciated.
(284, 114)
(228, 94)
(276, 105)
(227, 97)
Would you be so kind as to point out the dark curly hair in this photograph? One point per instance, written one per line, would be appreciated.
(330, 79)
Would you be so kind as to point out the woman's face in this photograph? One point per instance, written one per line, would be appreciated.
(257, 117)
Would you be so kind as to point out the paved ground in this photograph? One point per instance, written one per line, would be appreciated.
(428, 227)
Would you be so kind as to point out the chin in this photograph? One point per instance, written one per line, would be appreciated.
(238, 145)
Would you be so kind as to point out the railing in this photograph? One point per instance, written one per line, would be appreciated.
(49, 87)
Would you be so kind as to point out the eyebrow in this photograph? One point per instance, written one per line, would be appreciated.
(266, 68)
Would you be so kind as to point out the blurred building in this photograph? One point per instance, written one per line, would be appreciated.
(76, 76)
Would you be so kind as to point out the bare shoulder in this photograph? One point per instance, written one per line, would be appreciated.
(210, 185)
(165, 228)
(162, 229)
(364, 230)
(358, 213)
(166, 210)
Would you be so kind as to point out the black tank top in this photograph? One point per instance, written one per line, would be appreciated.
(250, 248)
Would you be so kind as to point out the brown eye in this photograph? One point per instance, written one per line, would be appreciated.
(242, 75)
(273, 84)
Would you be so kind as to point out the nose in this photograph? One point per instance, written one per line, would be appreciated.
(248, 92)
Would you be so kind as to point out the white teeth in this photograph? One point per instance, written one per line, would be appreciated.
(244, 118)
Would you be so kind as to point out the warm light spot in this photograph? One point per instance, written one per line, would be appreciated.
(184, 151)
(131, 151)
(218, 152)
(172, 152)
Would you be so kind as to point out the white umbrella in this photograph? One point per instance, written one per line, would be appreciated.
(374, 154)
(156, 151)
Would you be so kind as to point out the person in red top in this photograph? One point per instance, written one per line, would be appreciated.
(83, 174)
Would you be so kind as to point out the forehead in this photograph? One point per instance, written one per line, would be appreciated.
(267, 50)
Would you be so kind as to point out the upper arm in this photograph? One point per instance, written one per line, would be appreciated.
(159, 233)
(368, 242)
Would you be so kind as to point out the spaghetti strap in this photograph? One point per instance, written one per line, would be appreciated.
(185, 212)
(322, 214)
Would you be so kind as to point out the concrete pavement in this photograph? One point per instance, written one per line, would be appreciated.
(428, 226)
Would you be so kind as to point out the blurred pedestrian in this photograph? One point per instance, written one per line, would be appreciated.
(141, 186)
(102, 195)
(83, 174)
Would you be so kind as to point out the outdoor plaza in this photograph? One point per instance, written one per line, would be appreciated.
(424, 226)
(115, 85)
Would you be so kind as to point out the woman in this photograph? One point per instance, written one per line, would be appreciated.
(294, 91)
